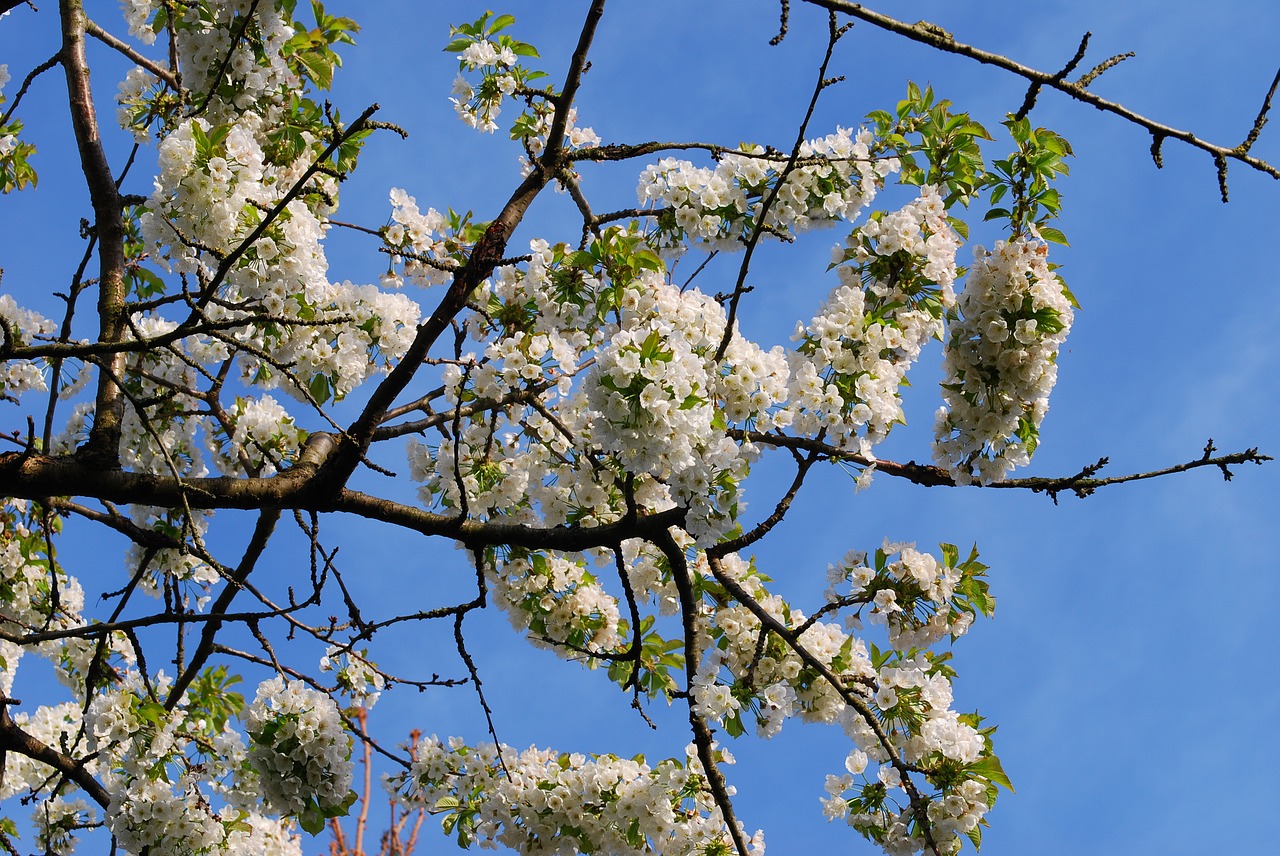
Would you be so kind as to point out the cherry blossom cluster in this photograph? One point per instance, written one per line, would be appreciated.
(56, 814)
(880, 810)
(917, 598)
(21, 327)
(56, 822)
(358, 678)
(896, 273)
(36, 594)
(300, 751)
(230, 51)
(216, 181)
(897, 709)
(134, 736)
(557, 601)
(736, 678)
(833, 179)
(541, 801)
(179, 570)
(648, 400)
(209, 197)
(1001, 361)
(264, 438)
(15, 171)
(501, 74)
(421, 237)
(164, 767)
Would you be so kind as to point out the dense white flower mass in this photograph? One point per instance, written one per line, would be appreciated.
(597, 413)
(299, 749)
(541, 801)
(721, 207)
(1001, 361)
(21, 326)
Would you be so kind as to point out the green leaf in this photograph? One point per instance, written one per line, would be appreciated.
(989, 768)
(501, 23)
(1054, 236)
(975, 836)
(320, 388)
(311, 820)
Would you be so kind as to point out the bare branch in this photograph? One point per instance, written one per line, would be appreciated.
(946, 43)
(115, 44)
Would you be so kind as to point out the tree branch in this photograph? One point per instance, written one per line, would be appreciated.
(934, 37)
(14, 739)
(115, 44)
(102, 447)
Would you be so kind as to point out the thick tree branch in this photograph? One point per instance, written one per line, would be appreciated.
(102, 447)
(14, 739)
(208, 635)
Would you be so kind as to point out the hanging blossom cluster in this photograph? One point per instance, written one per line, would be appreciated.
(300, 751)
(501, 75)
(557, 601)
(1001, 361)
(895, 705)
(921, 600)
(264, 438)
(155, 760)
(357, 676)
(57, 815)
(720, 208)
(897, 273)
(420, 238)
(540, 801)
(36, 595)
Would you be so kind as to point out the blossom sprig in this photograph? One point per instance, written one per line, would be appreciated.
(720, 208)
(496, 57)
(1001, 361)
(142, 99)
(558, 602)
(259, 436)
(917, 598)
(894, 704)
(897, 273)
(358, 677)
(301, 752)
(154, 761)
(21, 327)
(15, 170)
(540, 799)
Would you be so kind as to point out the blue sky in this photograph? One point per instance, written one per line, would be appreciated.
(1131, 662)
